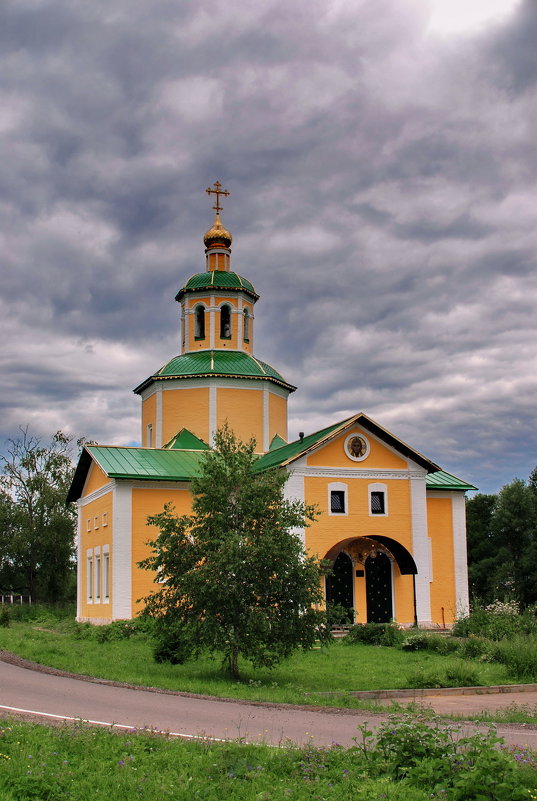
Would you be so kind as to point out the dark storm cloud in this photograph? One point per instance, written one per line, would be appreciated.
(383, 183)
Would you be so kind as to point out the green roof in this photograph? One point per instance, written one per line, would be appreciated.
(149, 463)
(445, 481)
(186, 440)
(277, 442)
(293, 450)
(229, 363)
(218, 279)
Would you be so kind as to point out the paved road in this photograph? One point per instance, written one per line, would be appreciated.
(55, 697)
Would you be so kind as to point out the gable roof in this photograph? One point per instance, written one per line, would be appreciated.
(300, 447)
(149, 464)
(185, 440)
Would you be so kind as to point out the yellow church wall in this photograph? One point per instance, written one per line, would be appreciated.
(149, 417)
(242, 410)
(277, 416)
(440, 526)
(149, 502)
(95, 480)
(403, 588)
(185, 408)
(329, 529)
(333, 454)
(96, 532)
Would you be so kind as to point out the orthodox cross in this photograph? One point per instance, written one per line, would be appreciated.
(217, 191)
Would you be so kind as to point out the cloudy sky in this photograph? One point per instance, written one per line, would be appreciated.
(382, 163)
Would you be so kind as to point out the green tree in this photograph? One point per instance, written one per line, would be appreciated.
(37, 531)
(234, 577)
(502, 543)
(482, 546)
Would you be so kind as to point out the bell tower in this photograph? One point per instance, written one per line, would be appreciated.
(216, 378)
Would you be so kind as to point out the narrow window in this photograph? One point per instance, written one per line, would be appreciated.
(96, 522)
(378, 505)
(199, 332)
(105, 519)
(246, 328)
(88, 524)
(225, 322)
(90, 575)
(337, 502)
(97, 577)
(106, 575)
(150, 435)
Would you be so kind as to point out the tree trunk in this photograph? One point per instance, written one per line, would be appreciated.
(234, 663)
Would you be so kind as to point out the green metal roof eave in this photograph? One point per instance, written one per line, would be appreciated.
(440, 480)
(216, 364)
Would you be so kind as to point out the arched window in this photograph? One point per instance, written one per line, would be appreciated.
(225, 322)
(246, 329)
(199, 331)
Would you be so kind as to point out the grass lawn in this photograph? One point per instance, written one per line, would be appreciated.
(302, 679)
(78, 762)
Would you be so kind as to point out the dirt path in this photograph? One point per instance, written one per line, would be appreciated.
(50, 695)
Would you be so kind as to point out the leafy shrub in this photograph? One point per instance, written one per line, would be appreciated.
(473, 647)
(375, 634)
(497, 621)
(519, 655)
(5, 619)
(415, 642)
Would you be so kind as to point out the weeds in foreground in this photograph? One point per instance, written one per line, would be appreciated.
(407, 760)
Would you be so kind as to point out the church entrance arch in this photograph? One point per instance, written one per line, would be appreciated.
(371, 559)
(340, 588)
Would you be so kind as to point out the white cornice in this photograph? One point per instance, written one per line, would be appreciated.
(96, 494)
(342, 472)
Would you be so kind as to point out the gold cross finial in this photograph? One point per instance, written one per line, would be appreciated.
(217, 191)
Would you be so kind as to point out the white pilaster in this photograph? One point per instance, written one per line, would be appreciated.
(240, 323)
(212, 320)
(80, 566)
(294, 491)
(122, 552)
(460, 556)
(420, 550)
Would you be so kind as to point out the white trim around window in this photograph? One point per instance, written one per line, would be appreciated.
(382, 490)
(341, 494)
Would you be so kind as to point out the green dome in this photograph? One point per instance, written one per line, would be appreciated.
(207, 363)
(217, 279)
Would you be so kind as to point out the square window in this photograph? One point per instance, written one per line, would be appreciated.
(378, 506)
(337, 502)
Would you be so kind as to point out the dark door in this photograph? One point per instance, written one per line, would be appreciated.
(339, 587)
(378, 583)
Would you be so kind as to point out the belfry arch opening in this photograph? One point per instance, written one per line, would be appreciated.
(225, 322)
(199, 322)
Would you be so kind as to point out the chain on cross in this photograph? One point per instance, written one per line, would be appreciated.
(217, 191)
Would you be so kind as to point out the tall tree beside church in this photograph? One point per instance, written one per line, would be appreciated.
(502, 543)
(233, 576)
(37, 532)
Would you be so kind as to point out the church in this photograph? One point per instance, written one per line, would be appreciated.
(392, 522)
